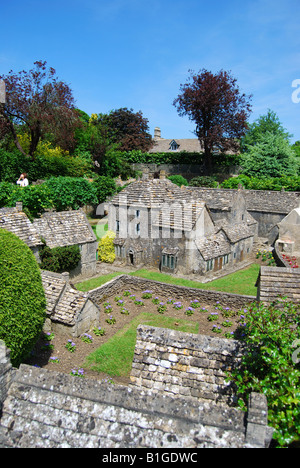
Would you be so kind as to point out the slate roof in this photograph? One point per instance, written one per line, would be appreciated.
(64, 303)
(191, 145)
(278, 281)
(151, 192)
(213, 246)
(64, 228)
(16, 221)
(183, 216)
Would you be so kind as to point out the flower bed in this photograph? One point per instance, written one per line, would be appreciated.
(119, 310)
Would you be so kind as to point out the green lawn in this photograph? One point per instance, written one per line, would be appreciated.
(116, 355)
(240, 282)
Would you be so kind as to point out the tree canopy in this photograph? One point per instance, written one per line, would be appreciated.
(39, 103)
(219, 110)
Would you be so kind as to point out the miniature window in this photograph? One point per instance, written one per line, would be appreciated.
(173, 145)
(137, 213)
(137, 228)
(225, 259)
(209, 265)
(169, 261)
(117, 226)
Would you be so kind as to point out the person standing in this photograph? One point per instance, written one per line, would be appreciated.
(22, 180)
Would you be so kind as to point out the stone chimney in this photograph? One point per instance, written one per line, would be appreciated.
(2, 92)
(162, 174)
(19, 206)
(157, 133)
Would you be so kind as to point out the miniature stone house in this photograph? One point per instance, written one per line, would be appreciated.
(64, 228)
(69, 311)
(289, 232)
(165, 226)
(15, 220)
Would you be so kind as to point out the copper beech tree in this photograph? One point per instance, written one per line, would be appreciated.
(218, 109)
(38, 103)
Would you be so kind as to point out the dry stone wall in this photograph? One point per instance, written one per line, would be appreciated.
(180, 292)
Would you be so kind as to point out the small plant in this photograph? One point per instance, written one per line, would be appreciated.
(77, 372)
(229, 335)
(86, 338)
(54, 359)
(126, 293)
(118, 298)
(120, 302)
(48, 336)
(189, 311)
(99, 331)
(213, 317)
(70, 346)
(124, 311)
(216, 329)
(195, 304)
(147, 294)
(155, 300)
(47, 346)
(138, 302)
(170, 301)
(162, 307)
(227, 324)
(107, 307)
(177, 305)
(110, 320)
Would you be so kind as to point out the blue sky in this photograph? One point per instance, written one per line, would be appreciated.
(136, 53)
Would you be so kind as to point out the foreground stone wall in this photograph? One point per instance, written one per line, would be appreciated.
(47, 409)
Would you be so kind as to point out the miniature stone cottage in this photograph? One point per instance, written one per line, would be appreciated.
(165, 226)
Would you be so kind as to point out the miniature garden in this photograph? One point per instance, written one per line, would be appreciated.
(106, 352)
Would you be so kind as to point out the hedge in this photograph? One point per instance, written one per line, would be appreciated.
(22, 297)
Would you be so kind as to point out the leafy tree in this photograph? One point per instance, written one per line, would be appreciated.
(218, 109)
(127, 128)
(270, 156)
(268, 123)
(41, 105)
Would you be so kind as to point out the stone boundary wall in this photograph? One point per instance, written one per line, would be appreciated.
(180, 292)
(184, 364)
(47, 409)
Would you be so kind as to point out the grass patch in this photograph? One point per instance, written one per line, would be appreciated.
(96, 282)
(115, 356)
(240, 282)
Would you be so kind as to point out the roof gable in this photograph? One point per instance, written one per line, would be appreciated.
(65, 228)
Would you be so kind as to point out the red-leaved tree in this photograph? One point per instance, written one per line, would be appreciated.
(218, 109)
(40, 104)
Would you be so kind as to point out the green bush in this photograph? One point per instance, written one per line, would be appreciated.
(60, 259)
(105, 187)
(22, 297)
(268, 365)
(271, 183)
(178, 180)
(204, 181)
(70, 192)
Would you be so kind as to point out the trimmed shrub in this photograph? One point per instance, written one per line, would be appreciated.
(106, 250)
(22, 297)
(204, 181)
(60, 259)
(178, 180)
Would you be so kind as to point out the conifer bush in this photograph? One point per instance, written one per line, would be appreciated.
(22, 297)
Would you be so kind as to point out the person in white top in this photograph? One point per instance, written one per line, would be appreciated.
(23, 181)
